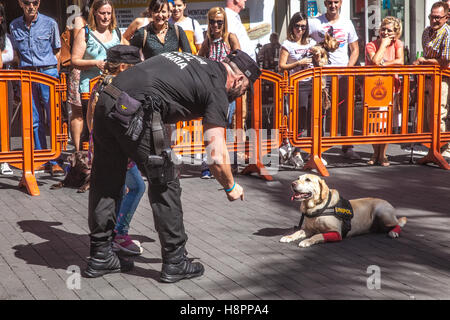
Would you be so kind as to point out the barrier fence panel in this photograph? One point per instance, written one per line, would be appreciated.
(29, 159)
(379, 104)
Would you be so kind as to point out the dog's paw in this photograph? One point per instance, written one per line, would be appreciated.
(56, 186)
(287, 239)
(393, 234)
(305, 243)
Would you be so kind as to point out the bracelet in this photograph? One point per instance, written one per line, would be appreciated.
(231, 189)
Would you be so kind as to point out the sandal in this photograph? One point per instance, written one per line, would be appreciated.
(372, 161)
(385, 162)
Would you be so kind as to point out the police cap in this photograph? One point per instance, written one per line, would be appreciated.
(123, 54)
(246, 64)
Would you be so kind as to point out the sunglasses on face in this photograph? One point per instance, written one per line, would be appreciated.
(300, 26)
(213, 22)
(27, 3)
(436, 17)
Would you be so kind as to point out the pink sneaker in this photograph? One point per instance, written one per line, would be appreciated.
(125, 244)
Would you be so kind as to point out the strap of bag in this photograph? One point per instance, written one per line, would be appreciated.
(88, 32)
(177, 31)
(145, 38)
(113, 91)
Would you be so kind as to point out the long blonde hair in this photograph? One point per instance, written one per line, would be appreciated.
(212, 13)
(97, 5)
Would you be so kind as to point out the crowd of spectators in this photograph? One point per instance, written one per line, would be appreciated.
(34, 43)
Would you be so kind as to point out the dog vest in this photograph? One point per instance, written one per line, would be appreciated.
(342, 210)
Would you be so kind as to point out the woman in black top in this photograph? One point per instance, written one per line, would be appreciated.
(160, 36)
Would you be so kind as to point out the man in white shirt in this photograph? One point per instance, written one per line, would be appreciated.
(232, 9)
(344, 31)
(234, 23)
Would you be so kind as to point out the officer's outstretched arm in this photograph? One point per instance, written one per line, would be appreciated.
(219, 161)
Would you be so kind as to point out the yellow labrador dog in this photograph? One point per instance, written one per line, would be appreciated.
(319, 205)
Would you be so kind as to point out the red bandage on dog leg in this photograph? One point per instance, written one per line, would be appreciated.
(332, 236)
(397, 229)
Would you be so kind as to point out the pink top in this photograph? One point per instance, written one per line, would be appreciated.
(389, 55)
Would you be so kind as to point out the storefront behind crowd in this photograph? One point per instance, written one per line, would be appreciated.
(265, 17)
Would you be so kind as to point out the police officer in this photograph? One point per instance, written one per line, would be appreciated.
(173, 86)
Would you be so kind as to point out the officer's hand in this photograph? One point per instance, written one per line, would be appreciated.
(236, 193)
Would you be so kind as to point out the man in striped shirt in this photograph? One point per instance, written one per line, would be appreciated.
(436, 48)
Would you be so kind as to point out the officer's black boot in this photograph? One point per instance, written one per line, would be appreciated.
(179, 268)
(103, 261)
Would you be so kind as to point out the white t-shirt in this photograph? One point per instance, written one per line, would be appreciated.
(343, 31)
(297, 52)
(8, 53)
(187, 25)
(235, 26)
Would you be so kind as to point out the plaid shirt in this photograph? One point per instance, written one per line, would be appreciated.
(436, 44)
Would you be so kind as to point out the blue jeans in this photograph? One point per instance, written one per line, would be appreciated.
(129, 203)
(41, 106)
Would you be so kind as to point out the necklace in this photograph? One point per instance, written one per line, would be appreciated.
(163, 29)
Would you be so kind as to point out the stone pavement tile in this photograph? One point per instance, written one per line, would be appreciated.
(146, 287)
(104, 288)
(225, 257)
(125, 287)
(211, 260)
(12, 284)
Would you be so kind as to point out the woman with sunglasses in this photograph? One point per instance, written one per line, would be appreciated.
(219, 42)
(217, 45)
(387, 50)
(295, 57)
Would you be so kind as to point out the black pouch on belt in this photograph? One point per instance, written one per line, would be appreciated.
(127, 111)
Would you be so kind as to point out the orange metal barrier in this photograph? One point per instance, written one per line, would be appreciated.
(29, 159)
(377, 121)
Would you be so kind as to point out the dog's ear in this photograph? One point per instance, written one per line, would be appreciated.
(72, 159)
(330, 43)
(324, 190)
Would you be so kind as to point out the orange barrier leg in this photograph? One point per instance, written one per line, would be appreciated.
(29, 181)
(434, 154)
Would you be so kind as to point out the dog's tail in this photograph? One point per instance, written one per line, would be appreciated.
(402, 221)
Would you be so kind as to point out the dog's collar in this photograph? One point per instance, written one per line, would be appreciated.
(322, 211)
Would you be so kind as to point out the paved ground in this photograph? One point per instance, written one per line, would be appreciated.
(41, 237)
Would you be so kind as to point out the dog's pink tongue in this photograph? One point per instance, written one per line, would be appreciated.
(293, 197)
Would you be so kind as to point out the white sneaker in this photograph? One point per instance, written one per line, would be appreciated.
(351, 154)
(126, 245)
(5, 169)
(297, 161)
(446, 153)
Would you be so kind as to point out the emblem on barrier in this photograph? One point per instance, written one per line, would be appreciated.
(379, 92)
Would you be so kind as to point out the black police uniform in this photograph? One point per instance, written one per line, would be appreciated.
(189, 87)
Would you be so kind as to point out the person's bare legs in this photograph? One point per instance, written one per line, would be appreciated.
(376, 154)
(382, 159)
(76, 125)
